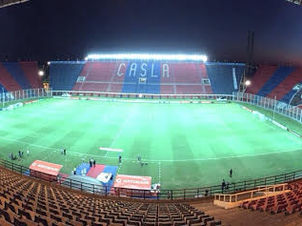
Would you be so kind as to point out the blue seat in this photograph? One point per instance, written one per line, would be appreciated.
(280, 74)
(142, 80)
(17, 73)
(63, 76)
(225, 77)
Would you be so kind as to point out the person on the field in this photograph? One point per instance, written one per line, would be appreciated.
(90, 162)
(20, 154)
(27, 152)
(139, 158)
(64, 151)
(231, 172)
(120, 159)
(94, 163)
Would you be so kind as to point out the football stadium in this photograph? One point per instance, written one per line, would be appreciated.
(132, 138)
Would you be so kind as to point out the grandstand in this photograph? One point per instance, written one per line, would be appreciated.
(282, 83)
(26, 201)
(155, 77)
(19, 76)
(109, 87)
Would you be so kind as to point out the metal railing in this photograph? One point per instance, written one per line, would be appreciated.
(21, 95)
(260, 190)
(292, 112)
(88, 94)
(175, 194)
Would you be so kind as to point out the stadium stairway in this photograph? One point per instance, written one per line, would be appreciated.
(30, 70)
(262, 75)
(7, 80)
(17, 73)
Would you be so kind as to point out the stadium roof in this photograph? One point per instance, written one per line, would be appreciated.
(5, 3)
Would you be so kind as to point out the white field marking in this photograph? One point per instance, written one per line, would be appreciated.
(111, 149)
(155, 160)
(119, 167)
(188, 160)
(118, 134)
(159, 172)
(33, 145)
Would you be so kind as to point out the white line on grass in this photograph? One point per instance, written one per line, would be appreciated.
(118, 134)
(159, 172)
(154, 160)
(120, 166)
(33, 145)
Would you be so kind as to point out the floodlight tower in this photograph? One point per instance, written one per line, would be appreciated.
(249, 65)
(250, 53)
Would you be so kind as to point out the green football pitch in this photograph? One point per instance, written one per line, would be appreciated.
(183, 145)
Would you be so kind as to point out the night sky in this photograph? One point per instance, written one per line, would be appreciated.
(69, 29)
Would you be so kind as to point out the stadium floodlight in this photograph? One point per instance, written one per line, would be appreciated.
(48, 63)
(248, 83)
(146, 56)
(41, 73)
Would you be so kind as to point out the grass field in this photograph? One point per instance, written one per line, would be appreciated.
(185, 145)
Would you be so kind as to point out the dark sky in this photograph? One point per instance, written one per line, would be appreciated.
(61, 29)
